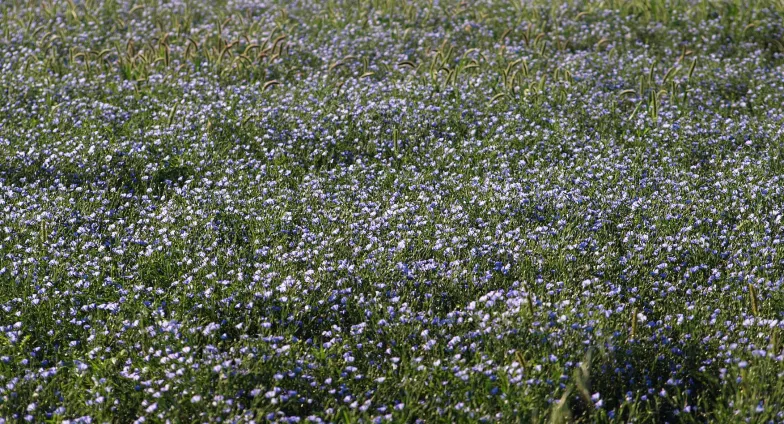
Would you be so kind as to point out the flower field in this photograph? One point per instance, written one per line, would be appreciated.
(392, 211)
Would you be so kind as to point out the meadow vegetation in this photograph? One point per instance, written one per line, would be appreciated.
(391, 211)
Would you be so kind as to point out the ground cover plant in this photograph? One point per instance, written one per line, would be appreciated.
(391, 211)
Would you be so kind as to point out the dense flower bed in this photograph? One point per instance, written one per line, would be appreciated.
(383, 210)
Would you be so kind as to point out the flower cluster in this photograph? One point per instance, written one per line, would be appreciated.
(310, 211)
